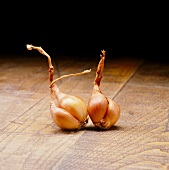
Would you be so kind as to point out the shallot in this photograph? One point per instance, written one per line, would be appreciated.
(103, 112)
(67, 111)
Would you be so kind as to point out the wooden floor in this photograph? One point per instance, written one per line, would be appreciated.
(29, 140)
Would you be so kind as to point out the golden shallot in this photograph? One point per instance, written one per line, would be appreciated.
(103, 112)
(68, 112)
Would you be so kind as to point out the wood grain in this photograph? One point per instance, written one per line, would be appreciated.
(30, 140)
(140, 139)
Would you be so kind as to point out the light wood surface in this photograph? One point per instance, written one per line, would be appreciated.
(30, 140)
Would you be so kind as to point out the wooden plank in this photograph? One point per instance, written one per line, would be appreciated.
(23, 82)
(30, 139)
(153, 73)
(33, 141)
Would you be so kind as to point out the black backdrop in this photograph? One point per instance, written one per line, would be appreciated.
(85, 29)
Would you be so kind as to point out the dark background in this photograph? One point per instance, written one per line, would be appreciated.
(85, 29)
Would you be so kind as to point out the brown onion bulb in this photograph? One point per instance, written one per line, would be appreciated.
(68, 112)
(71, 111)
(103, 112)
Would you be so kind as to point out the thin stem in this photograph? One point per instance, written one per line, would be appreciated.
(68, 75)
(99, 72)
(30, 47)
(51, 95)
(51, 68)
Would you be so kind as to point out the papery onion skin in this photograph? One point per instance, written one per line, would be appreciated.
(108, 114)
(111, 116)
(72, 104)
(113, 113)
(63, 119)
(77, 108)
(97, 106)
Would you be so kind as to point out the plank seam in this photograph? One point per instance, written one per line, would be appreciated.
(131, 76)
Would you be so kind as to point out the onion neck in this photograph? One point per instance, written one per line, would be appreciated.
(55, 90)
(96, 88)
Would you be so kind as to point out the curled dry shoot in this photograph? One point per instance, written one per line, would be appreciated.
(67, 111)
(104, 112)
